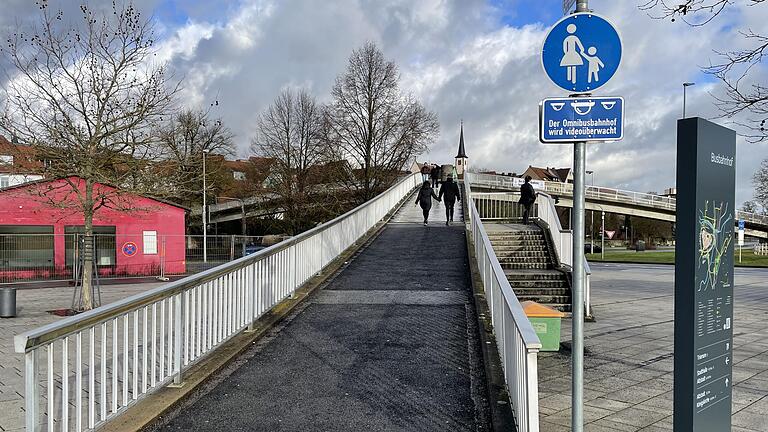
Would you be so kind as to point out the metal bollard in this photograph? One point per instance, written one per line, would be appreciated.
(7, 302)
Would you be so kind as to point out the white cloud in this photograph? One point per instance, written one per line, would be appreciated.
(457, 57)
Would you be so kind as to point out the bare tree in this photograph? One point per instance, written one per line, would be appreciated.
(183, 140)
(289, 132)
(87, 95)
(742, 93)
(373, 125)
(751, 207)
(760, 181)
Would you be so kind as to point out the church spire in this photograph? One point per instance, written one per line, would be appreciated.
(461, 153)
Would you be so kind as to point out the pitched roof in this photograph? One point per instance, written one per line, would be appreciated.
(48, 180)
(461, 153)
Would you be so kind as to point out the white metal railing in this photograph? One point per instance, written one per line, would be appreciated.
(97, 364)
(516, 339)
(760, 249)
(600, 193)
(495, 205)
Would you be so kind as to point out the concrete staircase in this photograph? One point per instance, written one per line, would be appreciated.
(530, 266)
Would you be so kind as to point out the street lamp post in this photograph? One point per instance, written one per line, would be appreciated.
(205, 213)
(685, 86)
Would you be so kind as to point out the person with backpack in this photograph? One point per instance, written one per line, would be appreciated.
(527, 198)
(450, 190)
(424, 199)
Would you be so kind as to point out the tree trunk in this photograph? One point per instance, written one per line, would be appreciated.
(88, 245)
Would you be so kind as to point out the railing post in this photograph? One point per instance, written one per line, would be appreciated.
(532, 391)
(178, 337)
(31, 391)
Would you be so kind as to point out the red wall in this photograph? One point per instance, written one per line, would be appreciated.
(131, 215)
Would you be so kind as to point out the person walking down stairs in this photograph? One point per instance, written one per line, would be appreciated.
(424, 199)
(450, 190)
(527, 198)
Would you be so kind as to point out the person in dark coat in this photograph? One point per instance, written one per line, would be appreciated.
(435, 176)
(425, 172)
(424, 199)
(527, 198)
(450, 191)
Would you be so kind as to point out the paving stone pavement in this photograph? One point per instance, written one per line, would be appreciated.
(32, 305)
(629, 354)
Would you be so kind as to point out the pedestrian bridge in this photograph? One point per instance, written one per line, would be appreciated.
(401, 327)
(599, 198)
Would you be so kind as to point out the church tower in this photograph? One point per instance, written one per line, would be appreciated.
(461, 156)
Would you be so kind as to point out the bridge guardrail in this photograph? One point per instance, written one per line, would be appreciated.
(144, 342)
(608, 194)
(516, 339)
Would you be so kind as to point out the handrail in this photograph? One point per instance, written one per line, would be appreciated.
(195, 315)
(516, 339)
(547, 213)
(610, 194)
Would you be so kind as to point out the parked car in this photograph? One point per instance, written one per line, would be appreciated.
(588, 248)
(253, 248)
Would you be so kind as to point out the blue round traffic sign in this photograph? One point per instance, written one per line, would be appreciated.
(581, 52)
(130, 249)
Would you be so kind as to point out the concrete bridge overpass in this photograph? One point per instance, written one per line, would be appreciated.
(617, 201)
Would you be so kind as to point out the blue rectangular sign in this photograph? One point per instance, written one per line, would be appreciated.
(565, 120)
(741, 224)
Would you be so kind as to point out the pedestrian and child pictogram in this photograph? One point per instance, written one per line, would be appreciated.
(581, 52)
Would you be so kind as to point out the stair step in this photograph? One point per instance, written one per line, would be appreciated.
(511, 248)
(533, 292)
(508, 243)
(545, 299)
(524, 260)
(513, 275)
(527, 266)
(539, 284)
(521, 254)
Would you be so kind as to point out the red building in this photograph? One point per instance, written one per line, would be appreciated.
(40, 225)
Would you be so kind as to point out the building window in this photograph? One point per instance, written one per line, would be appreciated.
(238, 175)
(27, 247)
(6, 160)
(106, 246)
(458, 162)
(4, 181)
(150, 242)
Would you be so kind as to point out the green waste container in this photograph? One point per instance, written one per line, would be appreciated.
(546, 322)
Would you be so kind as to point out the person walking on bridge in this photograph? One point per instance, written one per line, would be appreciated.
(425, 172)
(450, 190)
(527, 198)
(424, 199)
(435, 176)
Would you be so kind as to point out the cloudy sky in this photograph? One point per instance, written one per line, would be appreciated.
(476, 60)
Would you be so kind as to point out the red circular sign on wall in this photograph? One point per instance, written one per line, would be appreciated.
(130, 249)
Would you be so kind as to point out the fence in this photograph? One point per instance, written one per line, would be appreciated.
(515, 337)
(761, 249)
(97, 364)
(51, 257)
(606, 194)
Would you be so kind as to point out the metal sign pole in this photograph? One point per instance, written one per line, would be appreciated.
(577, 308)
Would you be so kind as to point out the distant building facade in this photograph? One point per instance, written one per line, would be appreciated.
(135, 236)
(562, 175)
